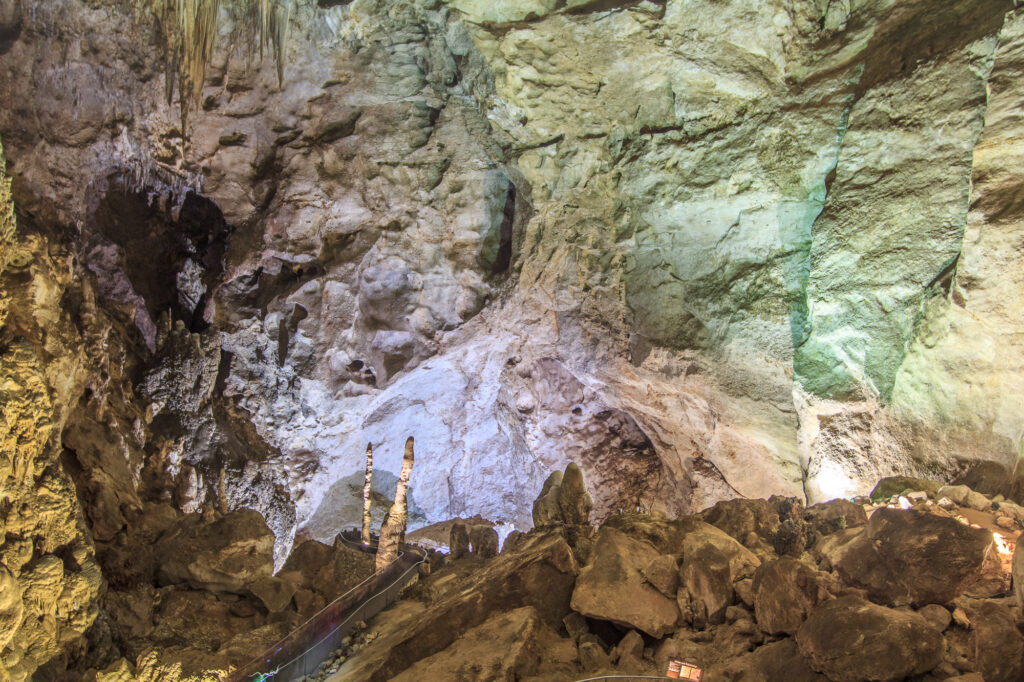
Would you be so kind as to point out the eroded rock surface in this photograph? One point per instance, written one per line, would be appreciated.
(703, 250)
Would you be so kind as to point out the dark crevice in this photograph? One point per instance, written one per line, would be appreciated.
(155, 245)
(504, 257)
(285, 329)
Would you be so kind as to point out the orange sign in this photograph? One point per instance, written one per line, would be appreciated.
(681, 670)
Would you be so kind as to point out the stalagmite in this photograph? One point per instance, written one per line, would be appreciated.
(222, 494)
(366, 493)
(393, 531)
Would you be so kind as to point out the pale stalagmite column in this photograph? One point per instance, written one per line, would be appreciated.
(393, 530)
(366, 493)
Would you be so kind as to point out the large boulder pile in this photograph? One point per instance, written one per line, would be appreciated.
(198, 593)
(911, 585)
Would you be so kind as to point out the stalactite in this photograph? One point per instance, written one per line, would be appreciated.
(366, 493)
(190, 30)
(393, 531)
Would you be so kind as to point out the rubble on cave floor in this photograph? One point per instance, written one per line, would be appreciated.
(912, 582)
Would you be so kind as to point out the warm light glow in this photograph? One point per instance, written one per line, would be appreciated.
(833, 481)
(1002, 546)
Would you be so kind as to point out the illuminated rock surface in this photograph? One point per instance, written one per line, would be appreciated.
(705, 250)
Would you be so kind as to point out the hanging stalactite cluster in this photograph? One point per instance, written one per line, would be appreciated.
(189, 29)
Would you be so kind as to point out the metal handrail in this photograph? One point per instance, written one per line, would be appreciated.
(627, 677)
(255, 668)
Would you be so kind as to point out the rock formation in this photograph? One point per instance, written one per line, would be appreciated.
(698, 252)
(392, 533)
(655, 588)
(367, 487)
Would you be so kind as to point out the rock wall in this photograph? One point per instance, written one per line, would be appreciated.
(704, 249)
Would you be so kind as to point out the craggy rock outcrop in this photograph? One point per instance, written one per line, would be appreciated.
(780, 619)
(540, 575)
(224, 556)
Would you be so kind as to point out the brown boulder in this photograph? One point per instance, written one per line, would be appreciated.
(849, 639)
(992, 478)
(663, 573)
(574, 501)
(937, 616)
(508, 646)
(224, 555)
(998, 647)
(612, 586)
(630, 648)
(712, 562)
(911, 556)
(275, 593)
(751, 522)
(773, 662)
(483, 541)
(458, 542)
(834, 515)
(965, 497)
(708, 584)
(304, 565)
(785, 591)
(897, 485)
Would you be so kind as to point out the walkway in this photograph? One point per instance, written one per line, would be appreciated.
(313, 642)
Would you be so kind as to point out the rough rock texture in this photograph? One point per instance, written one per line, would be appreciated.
(663, 574)
(904, 557)
(612, 586)
(540, 575)
(785, 591)
(458, 543)
(507, 647)
(1018, 574)
(226, 555)
(704, 249)
(997, 642)
(484, 542)
(852, 640)
(712, 562)
(613, 597)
